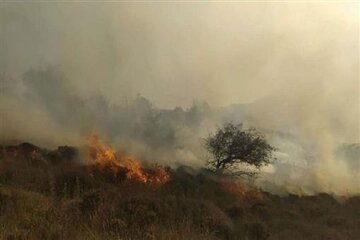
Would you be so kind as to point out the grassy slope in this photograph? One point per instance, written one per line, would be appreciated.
(63, 201)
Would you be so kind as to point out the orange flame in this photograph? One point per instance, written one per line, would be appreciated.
(106, 158)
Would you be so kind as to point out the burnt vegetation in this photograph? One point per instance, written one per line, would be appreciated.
(49, 194)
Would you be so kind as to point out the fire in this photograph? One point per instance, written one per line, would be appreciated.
(106, 158)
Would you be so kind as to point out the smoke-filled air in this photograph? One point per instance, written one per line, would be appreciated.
(181, 120)
(155, 79)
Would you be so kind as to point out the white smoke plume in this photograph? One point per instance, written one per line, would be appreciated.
(67, 69)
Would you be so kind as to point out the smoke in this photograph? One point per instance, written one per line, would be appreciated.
(67, 69)
(48, 112)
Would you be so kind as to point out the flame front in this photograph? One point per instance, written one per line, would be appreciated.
(106, 158)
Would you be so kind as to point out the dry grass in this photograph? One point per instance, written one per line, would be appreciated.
(54, 201)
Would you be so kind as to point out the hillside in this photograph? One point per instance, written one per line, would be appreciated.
(51, 194)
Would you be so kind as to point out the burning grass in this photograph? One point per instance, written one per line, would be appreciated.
(49, 194)
(106, 160)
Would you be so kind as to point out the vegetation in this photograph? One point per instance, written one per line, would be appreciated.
(236, 151)
(50, 195)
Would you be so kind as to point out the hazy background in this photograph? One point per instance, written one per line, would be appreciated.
(290, 69)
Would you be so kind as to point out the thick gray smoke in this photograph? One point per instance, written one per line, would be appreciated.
(169, 136)
(290, 69)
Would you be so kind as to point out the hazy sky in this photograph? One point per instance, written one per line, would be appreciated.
(222, 53)
(303, 58)
(298, 63)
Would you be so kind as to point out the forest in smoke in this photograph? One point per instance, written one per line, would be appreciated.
(156, 79)
(172, 137)
(107, 108)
